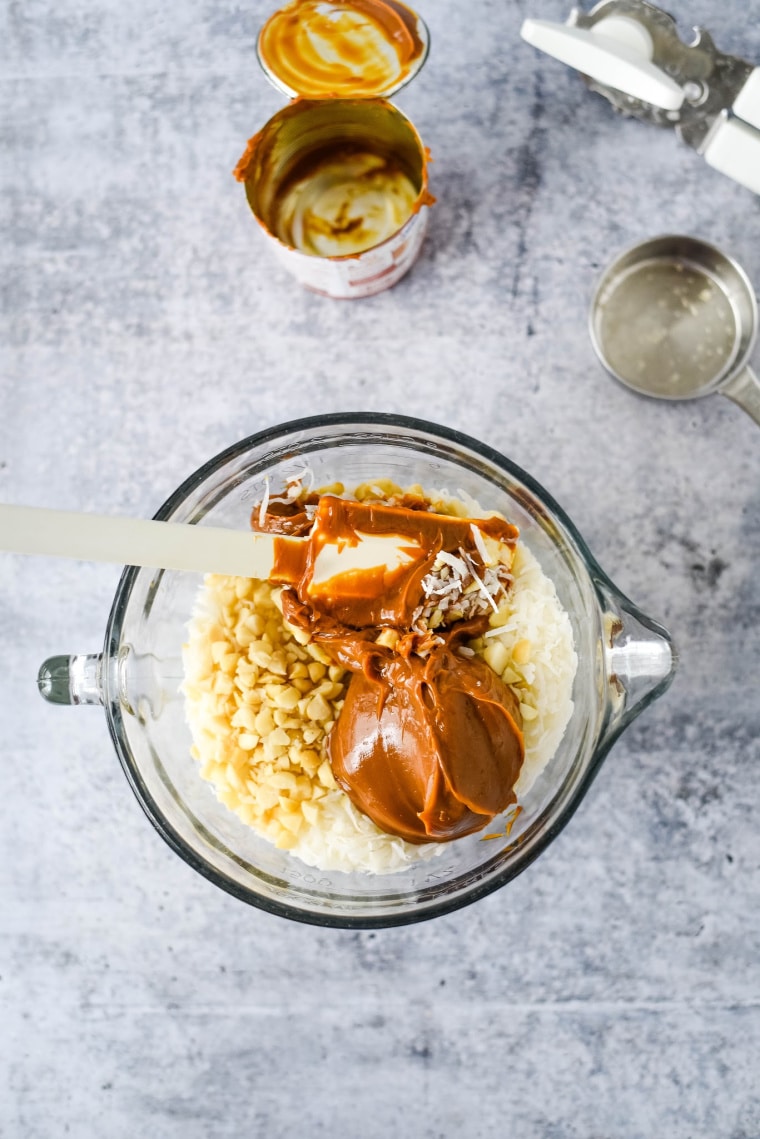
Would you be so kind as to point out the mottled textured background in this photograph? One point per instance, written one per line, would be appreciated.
(613, 989)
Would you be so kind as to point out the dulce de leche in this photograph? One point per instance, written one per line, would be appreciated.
(338, 48)
(429, 741)
(429, 747)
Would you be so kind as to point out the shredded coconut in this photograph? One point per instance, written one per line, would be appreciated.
(264, 503)
(479, 543)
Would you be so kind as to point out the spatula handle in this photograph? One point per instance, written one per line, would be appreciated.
(135, 542)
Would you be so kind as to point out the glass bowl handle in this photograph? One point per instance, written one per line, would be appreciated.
(74, 679)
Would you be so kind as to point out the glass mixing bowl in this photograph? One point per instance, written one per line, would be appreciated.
(625, 661)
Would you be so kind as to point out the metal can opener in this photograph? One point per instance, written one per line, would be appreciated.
(630, 52)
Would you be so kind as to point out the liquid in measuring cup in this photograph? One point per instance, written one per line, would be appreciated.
(666, 328)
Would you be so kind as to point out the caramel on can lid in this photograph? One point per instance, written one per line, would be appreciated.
(342, 48)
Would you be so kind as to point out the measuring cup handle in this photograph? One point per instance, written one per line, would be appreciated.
(744, 389)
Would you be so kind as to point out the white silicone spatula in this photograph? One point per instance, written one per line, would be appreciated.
(135, 542)
(179, 546)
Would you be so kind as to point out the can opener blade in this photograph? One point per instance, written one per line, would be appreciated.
(630, 52)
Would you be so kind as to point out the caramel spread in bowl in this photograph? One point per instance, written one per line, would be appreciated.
(381, 595)
(428, 743)
(334, 48)
(428, 747)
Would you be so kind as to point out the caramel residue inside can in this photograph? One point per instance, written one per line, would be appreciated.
(335, 178)
(343, 200)
(243, 170)
(333, 48)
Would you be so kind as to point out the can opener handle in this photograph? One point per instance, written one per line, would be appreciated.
(630, 52)
(733, 144)
(616, 52)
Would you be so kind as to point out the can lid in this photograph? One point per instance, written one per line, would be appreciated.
(328, 49)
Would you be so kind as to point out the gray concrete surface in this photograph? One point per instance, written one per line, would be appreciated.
(614, 989)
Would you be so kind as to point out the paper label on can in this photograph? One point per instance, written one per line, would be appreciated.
(365, 274)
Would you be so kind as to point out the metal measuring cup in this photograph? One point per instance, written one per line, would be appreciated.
(676, 318)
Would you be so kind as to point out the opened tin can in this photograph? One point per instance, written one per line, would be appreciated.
(337, 180)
